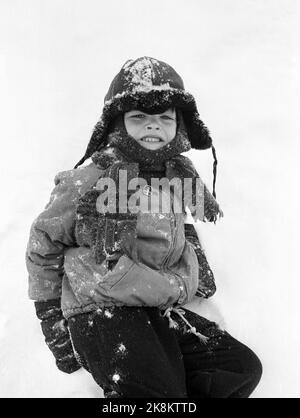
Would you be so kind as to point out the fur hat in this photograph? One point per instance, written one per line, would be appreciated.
(152, 86)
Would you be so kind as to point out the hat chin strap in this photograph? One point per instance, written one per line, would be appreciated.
(214, 170)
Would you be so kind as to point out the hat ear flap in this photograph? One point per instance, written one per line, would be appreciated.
(198, 133)
(116, 123)
(181, 126)
(96, 142)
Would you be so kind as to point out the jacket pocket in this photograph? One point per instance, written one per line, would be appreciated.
(123, 267)
(143, 286)
(91, 282)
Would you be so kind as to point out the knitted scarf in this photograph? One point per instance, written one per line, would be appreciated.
(112, 234)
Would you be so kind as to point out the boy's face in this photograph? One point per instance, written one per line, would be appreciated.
(151, 131)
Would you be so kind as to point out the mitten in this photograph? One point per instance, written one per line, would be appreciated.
(206, 284)
(57, 337)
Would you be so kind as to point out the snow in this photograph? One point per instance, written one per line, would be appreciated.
(140, 75)
(108, 314)
(241, 65)
(121, 348)
(116, 377)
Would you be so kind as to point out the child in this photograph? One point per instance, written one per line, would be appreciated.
(116, 281)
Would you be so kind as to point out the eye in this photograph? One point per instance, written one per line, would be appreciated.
(166, 117)
(138, 116)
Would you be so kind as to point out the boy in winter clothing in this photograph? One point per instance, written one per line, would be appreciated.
(115, 279)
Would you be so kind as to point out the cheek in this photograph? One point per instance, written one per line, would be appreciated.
(171, 132)
(131, 129)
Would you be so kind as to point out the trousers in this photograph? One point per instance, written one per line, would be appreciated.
(134, 353)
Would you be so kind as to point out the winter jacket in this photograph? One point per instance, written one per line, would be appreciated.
(167, 274)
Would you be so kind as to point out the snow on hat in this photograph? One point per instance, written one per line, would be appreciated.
(152, 86)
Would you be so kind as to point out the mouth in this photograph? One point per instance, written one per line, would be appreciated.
(151, 139)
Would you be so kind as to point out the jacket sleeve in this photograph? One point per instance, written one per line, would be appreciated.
(206, 283)
(51, 232)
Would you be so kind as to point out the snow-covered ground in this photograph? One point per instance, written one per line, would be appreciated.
(239, 59)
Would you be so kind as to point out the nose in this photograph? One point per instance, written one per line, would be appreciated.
(153, 124)
(155, 128)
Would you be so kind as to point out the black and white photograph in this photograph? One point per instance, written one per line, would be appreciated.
(150, 214)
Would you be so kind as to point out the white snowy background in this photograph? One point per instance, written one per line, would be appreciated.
(240, 60)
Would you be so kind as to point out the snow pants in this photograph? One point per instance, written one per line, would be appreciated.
(134, 353)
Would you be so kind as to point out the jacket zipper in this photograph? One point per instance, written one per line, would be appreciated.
(174, 235)
(176, 275)
(168, 256)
